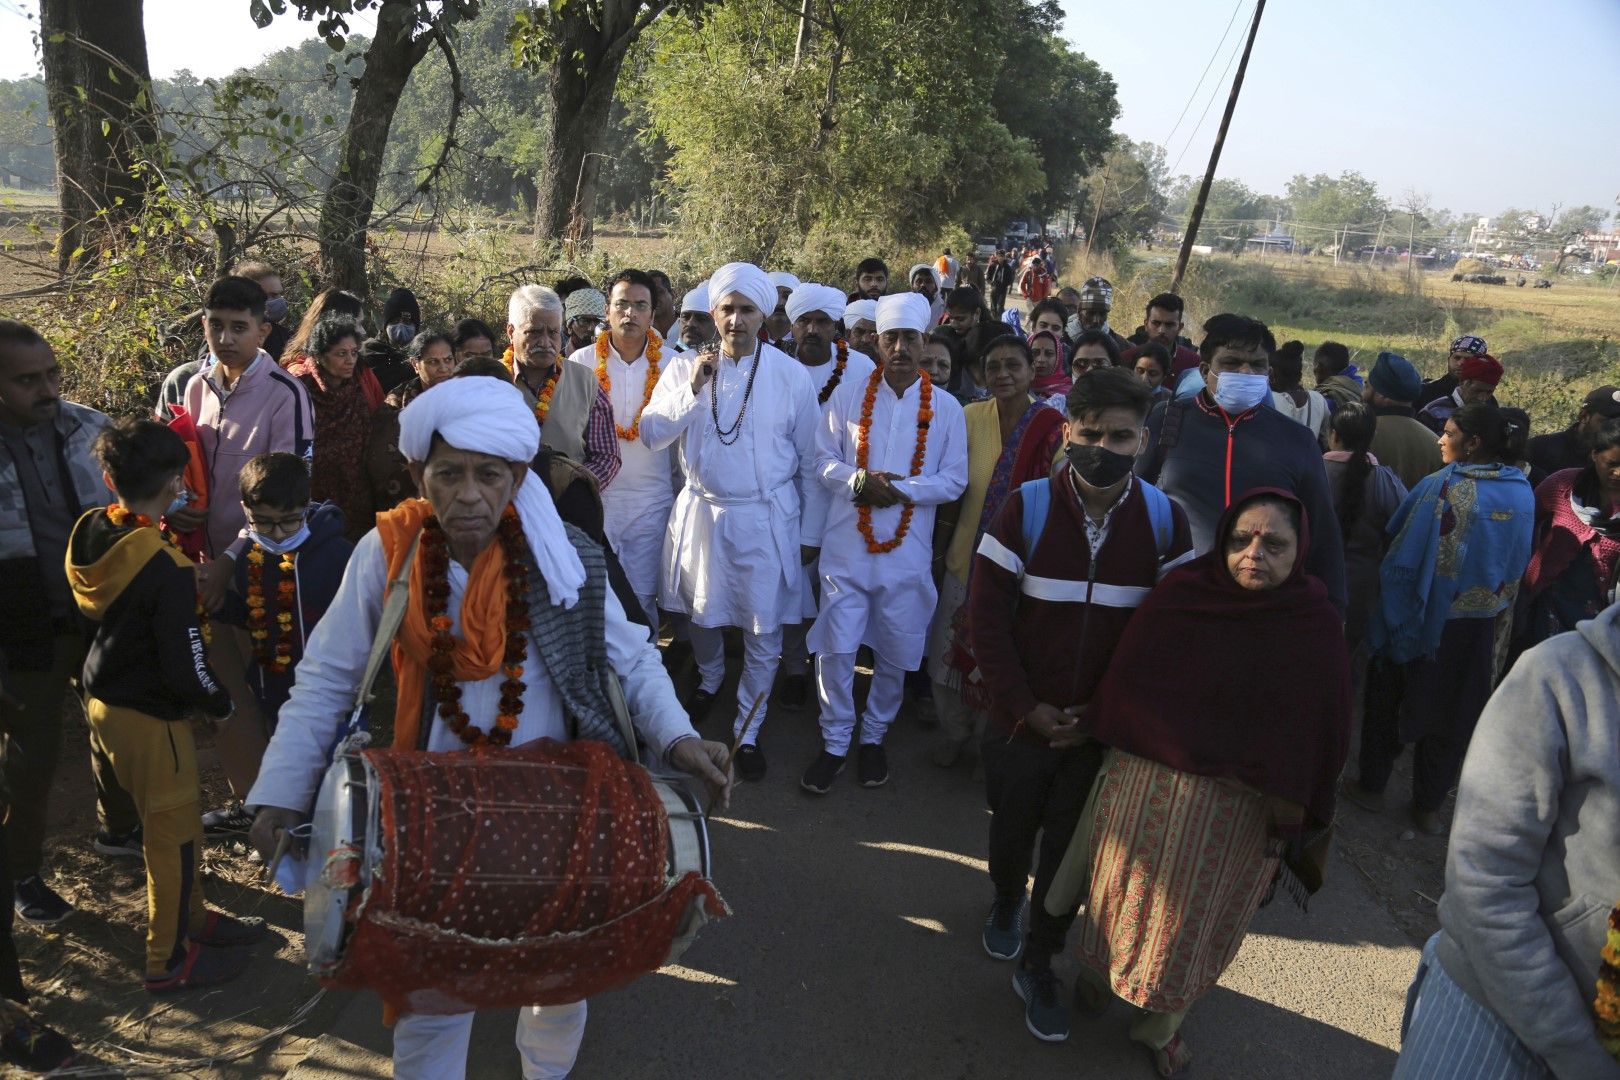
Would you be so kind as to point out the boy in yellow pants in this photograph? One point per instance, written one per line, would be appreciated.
(146, 673)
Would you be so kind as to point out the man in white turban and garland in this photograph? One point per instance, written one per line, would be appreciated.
(575, 417)
(750, 514)
(626, 360)
(816, 312)
(468, 442)
(890, 451)
(860, 325)
(695, 326)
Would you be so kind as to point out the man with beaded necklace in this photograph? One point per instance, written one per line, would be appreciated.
(520, 604)
(625, 360)
(889, 451)
(749, 516)
(817, 314)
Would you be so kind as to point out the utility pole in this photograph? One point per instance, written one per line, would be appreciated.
(803, 40)
(1215, 154)
(1096, 213)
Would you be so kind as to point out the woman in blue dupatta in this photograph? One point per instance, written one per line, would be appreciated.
(1461, 544)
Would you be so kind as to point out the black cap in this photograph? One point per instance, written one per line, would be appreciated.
(1605, 401)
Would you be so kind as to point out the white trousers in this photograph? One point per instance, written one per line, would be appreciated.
(761, 655)
(835, 686)
(435, 1047)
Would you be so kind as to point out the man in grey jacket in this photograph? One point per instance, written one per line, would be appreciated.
(1506, 988)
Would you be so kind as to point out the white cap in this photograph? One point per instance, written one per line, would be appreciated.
(903, 311)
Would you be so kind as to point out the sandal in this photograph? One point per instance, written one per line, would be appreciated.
(1174, 1058)
(201, 967)
(223, 931)
(35, 1047)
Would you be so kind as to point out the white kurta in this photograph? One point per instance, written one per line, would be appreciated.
(731, 552)
(335, 661)
(635, 507)
(857, 368)
(886, 600)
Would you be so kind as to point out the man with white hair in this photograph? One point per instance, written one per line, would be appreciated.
(925, 280)
(750, 514)
(860, 322)
(815, 311)
(468, 441)
(575, 416)
(695, 326)
(626, 359)
(891, 448)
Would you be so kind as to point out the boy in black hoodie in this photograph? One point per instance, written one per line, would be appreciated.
(146, 673)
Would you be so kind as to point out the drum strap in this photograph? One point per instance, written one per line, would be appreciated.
(398, 595)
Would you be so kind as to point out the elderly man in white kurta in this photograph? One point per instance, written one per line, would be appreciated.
(635, 507)
(891, 450)
(468, 441)
(819, 344)
(750, 514)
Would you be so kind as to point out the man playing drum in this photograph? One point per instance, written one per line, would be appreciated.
(496, 583)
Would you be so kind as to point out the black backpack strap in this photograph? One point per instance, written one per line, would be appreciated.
(1169, 433)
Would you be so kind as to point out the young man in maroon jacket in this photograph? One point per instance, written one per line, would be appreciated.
(1055, 580)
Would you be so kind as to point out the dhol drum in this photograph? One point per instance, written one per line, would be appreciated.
(492, 878)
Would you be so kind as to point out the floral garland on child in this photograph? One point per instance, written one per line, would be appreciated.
(436, 553)
(838, 372)
(123, 516)
(1607, 1004)
(863, 449)
(655, 353)
(542, 400)
(275, 658)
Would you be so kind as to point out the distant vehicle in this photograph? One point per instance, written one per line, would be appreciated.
(985, 246)
(1017, 232)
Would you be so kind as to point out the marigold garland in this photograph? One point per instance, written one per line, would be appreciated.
(838, 372)
(863, 452)
(655, 353)
(1607, 1004)
(275, 658)
(122, 516)
(436, 553)
(542, 400)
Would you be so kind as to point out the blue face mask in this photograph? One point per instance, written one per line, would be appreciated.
(1237, 392)
(280, 547)
(401, 333)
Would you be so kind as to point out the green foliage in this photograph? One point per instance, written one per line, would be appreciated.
(1349, 199)
(331, 17)
(1580, 219)
(1125, 196)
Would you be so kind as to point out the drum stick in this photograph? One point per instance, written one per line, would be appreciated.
(747, 724)
(281, 850)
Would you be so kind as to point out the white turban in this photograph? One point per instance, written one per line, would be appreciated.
(813, 297)
(783, 280)
(923, 266)
(903, 311)
(696, 298)
(489, 416)
(857, 310)
(745, 278)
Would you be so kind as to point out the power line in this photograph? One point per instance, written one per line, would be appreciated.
(1214, 91)
(1211, 63)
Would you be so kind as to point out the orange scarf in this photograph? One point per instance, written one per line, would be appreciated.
(482, 643)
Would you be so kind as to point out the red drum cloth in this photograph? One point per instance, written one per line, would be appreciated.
(537, 875)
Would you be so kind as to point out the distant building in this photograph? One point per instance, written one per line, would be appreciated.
(1603, 246)
(1275, 240)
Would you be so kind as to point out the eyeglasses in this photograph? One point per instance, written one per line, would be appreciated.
(624, 307)
(269, 525)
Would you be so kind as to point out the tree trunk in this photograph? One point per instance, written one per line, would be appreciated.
(581, 98)
(346, 210)
(98, 87)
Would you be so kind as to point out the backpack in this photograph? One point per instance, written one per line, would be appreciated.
(1037, 501)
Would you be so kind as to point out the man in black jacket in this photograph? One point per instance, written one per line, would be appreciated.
(1570, 448)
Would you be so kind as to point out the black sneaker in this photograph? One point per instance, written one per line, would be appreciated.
(230, 819)
(750, 761)
(794, 693)
(818, 778)
(1004, 928)
(872, 765)
(127, 845)
(1044, 1013)
(35, 1047)
(699, 704)
(39, 903)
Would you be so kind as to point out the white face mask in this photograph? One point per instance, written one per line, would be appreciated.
(279, 547)
(1237, 392)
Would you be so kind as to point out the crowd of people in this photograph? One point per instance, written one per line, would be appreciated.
(1023, 520)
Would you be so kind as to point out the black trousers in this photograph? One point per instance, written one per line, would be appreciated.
(998, 301)
(1035, 792)
(11, 984)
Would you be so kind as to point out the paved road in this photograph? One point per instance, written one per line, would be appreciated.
(854, 952)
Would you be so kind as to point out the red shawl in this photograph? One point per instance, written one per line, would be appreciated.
(343, 419)
(1261, 692)
(1561, 536)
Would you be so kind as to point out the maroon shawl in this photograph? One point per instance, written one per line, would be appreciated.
(1261, 688)
(1561, 535)
(343, 422)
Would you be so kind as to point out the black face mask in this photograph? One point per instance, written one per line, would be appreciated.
(1097, 465)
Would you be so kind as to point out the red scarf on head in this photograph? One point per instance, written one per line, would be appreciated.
(1261, 687)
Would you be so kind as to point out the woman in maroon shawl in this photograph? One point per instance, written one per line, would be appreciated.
(1220, 781)
(343, 422)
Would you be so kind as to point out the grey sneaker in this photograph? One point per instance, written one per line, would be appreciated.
(1044, 1013)
(1004, 929)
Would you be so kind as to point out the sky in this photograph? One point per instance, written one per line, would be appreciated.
(1478, 104)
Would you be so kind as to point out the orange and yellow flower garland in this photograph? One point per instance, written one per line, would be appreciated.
(655, 353)
(275, 658)
(436, 552)
(1607, 1005)
(121, 516)
(542, 401)
(863, 448)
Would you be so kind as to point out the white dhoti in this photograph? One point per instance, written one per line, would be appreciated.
(435, 1047)
(733, 562)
